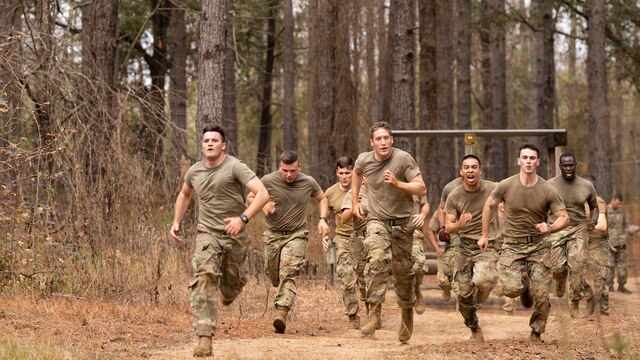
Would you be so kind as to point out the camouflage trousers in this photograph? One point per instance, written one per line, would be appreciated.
(567, 255)
(220, 263)
(285, 256)
(419, 259)
(619, 264)
(446, 264)
(389, 246)
(475, 274)
(346, 269)
(360, 260)
(599, 263)
(520, 263)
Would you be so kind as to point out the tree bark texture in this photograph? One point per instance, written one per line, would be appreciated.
(229, 107)
(344, 124)
(322, 107)
(599, 149)
(290, 135)
(542, 72)
(495, 155)
(178, 79)
(402, 32)
(211, 63)
(436, 95)
(266, 118)
(384, 63)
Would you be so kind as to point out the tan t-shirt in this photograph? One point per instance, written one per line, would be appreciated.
(602, 209)
(335, 195)
(357, 223)
(220, 190)
(617, 226)
(451, 185)
(574, 194)
(460, 201)
(290, 199)
(526, 206)
(385, 201)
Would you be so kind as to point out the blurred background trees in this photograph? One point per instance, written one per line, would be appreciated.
(101, 103)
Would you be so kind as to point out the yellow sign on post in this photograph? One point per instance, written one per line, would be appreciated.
(469, 141)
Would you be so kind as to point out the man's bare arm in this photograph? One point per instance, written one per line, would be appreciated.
(182, 203)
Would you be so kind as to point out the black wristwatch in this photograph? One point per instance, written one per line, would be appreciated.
(244, 218)
(325, 219)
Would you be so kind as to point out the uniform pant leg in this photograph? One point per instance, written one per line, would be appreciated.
(465, 289)
(203, 290)
(292, 262)
(234, 266)
(345, 268)
(540, 281)
(402, 264)
(377, 246)
(576, 254)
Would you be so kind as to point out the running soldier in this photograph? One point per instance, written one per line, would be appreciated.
(393, 177)
(417, 252)
(358, 234)
(599, 259)
(285, 241)
(342, 239)
(446, 261)
(474, 273)
(569, 246)
(523, 265)
(618, 233)
(220, 258)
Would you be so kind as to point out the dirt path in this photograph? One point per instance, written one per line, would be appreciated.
(440, 332)
(67, 328)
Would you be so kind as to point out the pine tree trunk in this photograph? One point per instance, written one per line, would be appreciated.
(403, 44)
(288, 79)
(264, 142)
(599, 150)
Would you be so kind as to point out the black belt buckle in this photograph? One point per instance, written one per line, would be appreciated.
(397, 222)
(531, 239)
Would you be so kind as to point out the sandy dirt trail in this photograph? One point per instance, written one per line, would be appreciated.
(440, 332)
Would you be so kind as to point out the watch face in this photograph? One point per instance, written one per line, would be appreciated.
(244, 218)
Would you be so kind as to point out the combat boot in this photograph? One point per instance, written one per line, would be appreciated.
(374, 320)
(561, 288)
(535, 337)
(509, 305)
(204, 347)
(406, 325)
(476, 335)
(605, 309)
(280, 321)
(623, 289)
(574, 309)
(446, 294)
(420, 305)
(526, 298)
(354, 321)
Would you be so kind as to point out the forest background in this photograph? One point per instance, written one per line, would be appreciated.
(101, 103)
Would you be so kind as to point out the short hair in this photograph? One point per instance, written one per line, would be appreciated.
(618, 196)
(568, 154)
(379, 125)
(215, 128)
(529, 145)
(470, 156)
(288, 157)
(344, 162)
